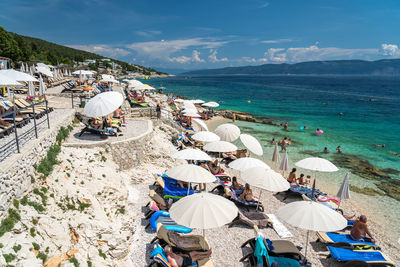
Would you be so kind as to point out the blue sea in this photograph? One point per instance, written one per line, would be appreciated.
(370, 108)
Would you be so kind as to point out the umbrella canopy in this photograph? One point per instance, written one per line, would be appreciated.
(18, 76)
(44, 70)
(191, 173)
(317, 164)
(312, 216)
(285, 163)
(211, 104)
(252, 144)
(6, 81)
(276, 157)
(42, 86)
(83, 72)
(179, 100)
(22, 69)
(205, 136)
(344, 191)
(55, 74)
(197, 101)
(228, 132)
(220, 146)
(103, 104)
(203, 211)
(265, 179)
(31, 89)
(191, 154)
(200, 123)
(243, 164)
(191, 114)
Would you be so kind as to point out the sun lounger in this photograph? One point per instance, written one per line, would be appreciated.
(300, 190)
(179, 241)
(342, 240)
(355, 257)
(163, 218)
(261, 255)
(251, 219)
(160, 259)
(156, 203)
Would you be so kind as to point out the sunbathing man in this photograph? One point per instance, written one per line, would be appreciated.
(119, 114)
(360, 230)
(183, 260)
(95, 123)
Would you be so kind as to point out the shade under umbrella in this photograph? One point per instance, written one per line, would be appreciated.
(220, 146)
(203, 211)
(252, 144)
(190, 173)
(317, 164)
(103, 104)
(312, 216)
(276, 156)
(243, 164)
(228, 132)
(200, 123)
(265, 179)
(285, 163)
(205, 136)
(191, 154)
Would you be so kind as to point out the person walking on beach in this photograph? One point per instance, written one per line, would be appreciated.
(360, 230)
(339, 149)
(158, 110)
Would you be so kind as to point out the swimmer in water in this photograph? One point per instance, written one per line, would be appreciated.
(326, 150)
(285, 126)
(383, 145)
(341, 114)
(394, 153)
(339, 149)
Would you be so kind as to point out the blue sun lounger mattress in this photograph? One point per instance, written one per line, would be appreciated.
(342, 254)
(336, 238)
(169, 224)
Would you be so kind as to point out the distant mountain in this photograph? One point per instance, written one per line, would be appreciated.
(339, 67)
(32, 50)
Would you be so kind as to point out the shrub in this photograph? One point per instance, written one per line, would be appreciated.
(8, 223)
(102, 254)
(74, 261)
(36, 246)
(17, 248)
(16, 203)
(32, 232)
(9, 257)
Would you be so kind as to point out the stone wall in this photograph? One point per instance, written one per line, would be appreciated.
(16, 171)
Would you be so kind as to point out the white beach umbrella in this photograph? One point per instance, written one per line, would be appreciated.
(179, 100)
(220, 146)
(311, 216)
(32, 70)
(26, 67)
(285, 163)
(42, 86)
(22, 69)
(191, 154)
(243, 164)
(317, 164)
(266, 179)
(44, 70)
(228, 132)
(200, 123)
(190, 173)
(276, 157)
(6, 81)
(18, 76)
(80, 77)
(211, 104)
(205, 136)
(84, 72)
(252, 144)
(31, 89)
(191, 114)
(197, 101)
(344, 190)
(66, 72)
(203, 211)
(189, 105)
(103, 104)
(55, 74)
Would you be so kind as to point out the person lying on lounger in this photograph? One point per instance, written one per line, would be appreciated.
(360, 230)
(182, 260)
(247, 194)
(95, 123)
(236, 186)
(214, 167)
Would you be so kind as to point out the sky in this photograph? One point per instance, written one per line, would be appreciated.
(187, 35)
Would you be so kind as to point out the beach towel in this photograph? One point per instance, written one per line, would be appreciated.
(174, 192)
(261, 253)
(346, 239)
(279, 228)
(342, 254)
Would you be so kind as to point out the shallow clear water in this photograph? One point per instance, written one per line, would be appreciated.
(314, 102)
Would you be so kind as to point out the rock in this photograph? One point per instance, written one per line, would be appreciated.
(32, 262)
(119, 252)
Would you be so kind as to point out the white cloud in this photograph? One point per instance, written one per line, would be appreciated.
(390, 50)
(184, 59)
(313, 52)
(163, 49)
(277, 41)
(148, 34)
(213, 57)
(105, 50)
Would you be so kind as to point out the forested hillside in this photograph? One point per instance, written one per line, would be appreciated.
(33, 50)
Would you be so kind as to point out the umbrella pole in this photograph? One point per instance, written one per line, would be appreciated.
(188, 188)
(258, 202)
(305, 254)
(340, 201)
(204, 232)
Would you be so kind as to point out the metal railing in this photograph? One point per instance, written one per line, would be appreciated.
(22, 125)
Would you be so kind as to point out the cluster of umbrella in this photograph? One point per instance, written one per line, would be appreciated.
(137, 85)
(14, 78)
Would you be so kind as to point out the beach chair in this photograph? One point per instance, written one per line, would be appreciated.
(343, 240)
(41, 106)
(159, 259)
(252, 219)
(156, 203)
(359, 257)
(39, 112)
(164, 218)
(88, 128)
(260, 256)
(179, 241)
